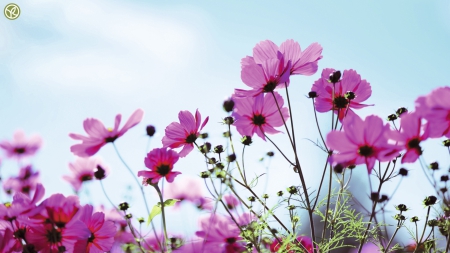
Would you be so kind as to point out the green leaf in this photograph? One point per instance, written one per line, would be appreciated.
(155, 211)
(170, 202)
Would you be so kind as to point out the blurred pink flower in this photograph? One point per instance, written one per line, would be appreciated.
(7, 244)
(435, 108)
(160, 161)
(25, 182)
(185, 133)
(20, 146)
(259, 114)
(361, 142)
(188, 189)
(305, 242)
(231, 201)
(99, 135)
(350, 82)
(83, 170)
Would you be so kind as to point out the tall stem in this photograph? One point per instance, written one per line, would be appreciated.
(163, 215)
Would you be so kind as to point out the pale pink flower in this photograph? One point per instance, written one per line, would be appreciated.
(259, 114)
(185, 133)
(25, 182)
(231, 201)
(21, 146)
(187, 190)
(99, 135)
(302, 62)
(160, 161)
(83, 170)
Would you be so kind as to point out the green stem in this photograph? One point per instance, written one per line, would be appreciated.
(163, 216)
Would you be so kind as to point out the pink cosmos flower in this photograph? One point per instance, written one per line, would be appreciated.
(231, 201)
(302, 63)
(350, 82)
(259, 114)
(435, 108)
(20, 146)
(185, 133)
(25, 182)
(412, 132)
(7, 244)
(305, 241)
(99, 135)
(83, 170)
(160, 161)
(102, 231)
(188, 189)
(361, 142)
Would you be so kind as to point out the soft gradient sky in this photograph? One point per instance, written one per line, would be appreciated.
(64, 61)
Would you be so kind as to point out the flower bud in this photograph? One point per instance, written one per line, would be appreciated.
(291, 207)
(338, 168)
(374, 196)
(295, 219)
(270, 154)
(129, 216)
(432, 223)
(141, 220)
(99, 173)
(444, 178)
(228, 105)
(401, 208)
(392, 117)
(312, 94)
(399, 217)
(251, 199)
(265, 196)
(401, 110)
(383, 198)
(350, 95)
(335, 77)
(403, 172)
(292, 190)
(150, 130)
(280, 193)
(231, 158)
(203, 136)
(205, 174)
(414, 219)
(212, 160)
(227, 134)
(124, 206)
(434, 165)
(228, 120)
(246, 140)
(220, 166)
(218, 149)
(446, 143)
(205, 148)
(430, 200)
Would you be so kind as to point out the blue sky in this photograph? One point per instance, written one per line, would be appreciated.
(64, 61)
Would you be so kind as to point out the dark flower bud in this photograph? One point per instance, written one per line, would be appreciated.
(218, 149)
(414, 219)
(401, 208)
(401, 110)
(205, 148)
(392, 117)
(221, 174)
(434, 165)
(246, 140)
(335, 76)
(433, 223)
(351, 166)
(227, 134)
(251, 199)
(249, 245)
(273, 231)
(270, 154)
(383, 198)
(312, 94)
(265, 196)
(150, 130)
(444, 178)
(399, 217)
(99, 173)
(443, 189)
(446, 143)
(403, 172)
(129, 216)
(291, 207)
(203, 136)
(141, 220)
(280, 193)
(205, 174)
(350, 95)
(292, 190)
(338, 168)
(228, 105)
(220, 166)
(374, 196)
(228, 120)
(124, 206)
(212, 160)
(430, 200)
(231, 158)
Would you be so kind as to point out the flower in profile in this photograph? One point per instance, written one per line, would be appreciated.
(231, 201)
(411, 133)
(185, 133)
(361, 142)
(25, 182)
(7, 244)
(349, 93)
(435, 108)
(305, 243)
(99, 135)
(21, 146)
(83, 170)
(259, 114)
(160, 161)
(302, 62)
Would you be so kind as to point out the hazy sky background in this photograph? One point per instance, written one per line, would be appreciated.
(64, 61)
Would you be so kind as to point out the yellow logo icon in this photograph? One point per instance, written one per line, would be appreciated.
(11, 11)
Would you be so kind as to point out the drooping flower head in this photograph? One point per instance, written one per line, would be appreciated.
(160, 161)
(349, 93)
(99, 135)
(21, 146)
(435, 108)
(185, 133)
(83, 170)
(259, 114)
(361, 142)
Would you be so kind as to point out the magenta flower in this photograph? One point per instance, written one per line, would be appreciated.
(302, 63)
(361, 142)
(25, 182)
(305, 241)
(411, 133)
(435, 108)
(231, 201)
(160, 161)
(99, 135)
(185, 133)
(102, 232)
(259, 114)
(350, 82)
(83, 170)
(20, 146)
(7, 244)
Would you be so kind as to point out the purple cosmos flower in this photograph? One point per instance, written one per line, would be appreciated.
(185, 133)
(160, 161)
(259, 114)
(99, 135)
(435, 108)
(20, 146)
(83, 170)
(361, 142)
(350, 82)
